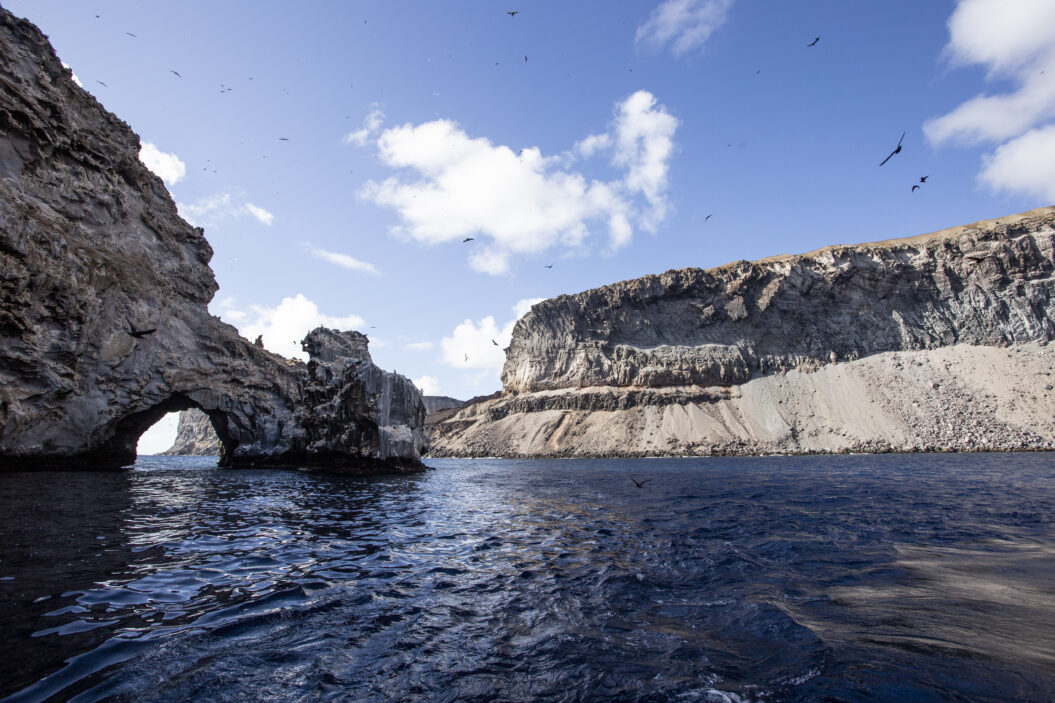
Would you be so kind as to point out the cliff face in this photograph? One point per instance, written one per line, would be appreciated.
(885, 346)
(194, 436)
(103, 294)
(985, 284)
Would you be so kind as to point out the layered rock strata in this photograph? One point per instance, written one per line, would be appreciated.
(817, 352)
(103, 320)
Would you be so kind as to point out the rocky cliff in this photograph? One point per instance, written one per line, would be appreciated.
(716, 361)
(103, 319)
(194, 436)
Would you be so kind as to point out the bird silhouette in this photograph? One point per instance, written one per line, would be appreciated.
(895, 151)
(513, 13)
(131, 35)
(100, 83)
(915, 188)
(707, 218)
(923, 179)
(139, 334)
(281, 139)
(549, 266)
(494, 342)
(814, 42)
(467, 239)
(175, 72)
(467, 357)
(525, 59)
(639, 484)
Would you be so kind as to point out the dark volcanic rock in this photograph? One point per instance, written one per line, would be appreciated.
(91, 249)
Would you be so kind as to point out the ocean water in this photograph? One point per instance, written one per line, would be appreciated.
(846, 578)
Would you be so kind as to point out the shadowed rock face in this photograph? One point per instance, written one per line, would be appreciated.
(92, 248)
(984, 284)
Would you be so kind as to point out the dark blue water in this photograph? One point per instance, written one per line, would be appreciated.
(858, 578)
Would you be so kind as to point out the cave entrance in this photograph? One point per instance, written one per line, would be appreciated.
(122, 448)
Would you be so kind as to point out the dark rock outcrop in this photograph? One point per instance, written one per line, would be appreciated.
(91, 250)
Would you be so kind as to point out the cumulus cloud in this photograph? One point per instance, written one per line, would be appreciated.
(428, 385)
(72, 74)
(1015, 41)
(471, 346)
(520, 202)
(284, 325)
(259, 213)
(1024, 165)
(167, 166)
(685, 24)
(343, 260)
(211, 210)
(371, 123)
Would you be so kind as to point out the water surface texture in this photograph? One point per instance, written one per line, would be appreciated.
(850, 578)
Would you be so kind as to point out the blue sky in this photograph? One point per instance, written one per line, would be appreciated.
(338, 153)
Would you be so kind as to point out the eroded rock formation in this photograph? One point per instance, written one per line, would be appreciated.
(710, 362)
(194, 436)
(103, 320)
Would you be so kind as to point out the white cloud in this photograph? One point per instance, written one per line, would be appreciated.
(259, 213)
(428, 385)
(1024, 165)
(371, 124)
(419, 346)
(343, 260)
(1014, 40)
(472, 345)
(283, 326)
(519, 202)
(211, 210)
(167, 166)
(72, 74)
(686, 24)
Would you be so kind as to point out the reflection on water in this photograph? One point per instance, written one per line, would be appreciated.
(786, 578)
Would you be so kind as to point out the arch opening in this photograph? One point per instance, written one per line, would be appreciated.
(121, 449)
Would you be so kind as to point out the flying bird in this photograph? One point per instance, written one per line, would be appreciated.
(131, 35)
(467, 357)
(895, 151)
(467, 239)
(639, 484)
(707, 218)
(494, 342)
(915, 188)
(514, 13)
(814, 42)
(283, 139)
(923, 179)
(100, 83)
(549, 266)
(176, 73)
(525, 59)
(139, 334)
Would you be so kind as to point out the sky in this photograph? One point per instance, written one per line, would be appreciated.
(339, 154)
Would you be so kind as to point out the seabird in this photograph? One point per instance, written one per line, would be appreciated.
(494, 342)
(639, 484)
(707, 218)
(283, 139)
(467, 357)
(100, 82)
(512, 13)
(895, 151)
(814, 42)
(549, 266)
(177, 74)
(915, 188)
(467, 239)
(923, 179)
(131, 35)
